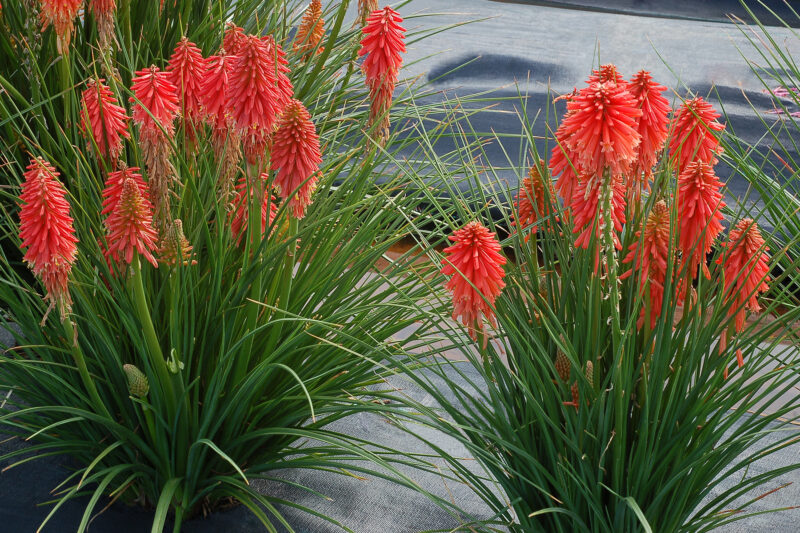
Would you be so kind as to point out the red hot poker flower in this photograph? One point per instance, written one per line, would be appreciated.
(382, 44)
(474, 262)
(745, 262)
(103, 119)
(605, 74)
(233, 39)
(296, 156)
(700, 212)
(157, 95)
(285, 88)
(114, 185)
(241, 213)
(186, 70)
(310, 31)
(653, 124)
(61, 14)
(563, 163)
(532, 202)
(693, 136)
(130, 226)
(46, 230)
(601, 128)
(652, 249)
(585, 206)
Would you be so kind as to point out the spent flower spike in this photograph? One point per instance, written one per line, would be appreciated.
(296, 156)
(103, 119)
(130, 226)
(103, 11)
(46, 230)
(585, 206)
(61, 14)
(475, 268)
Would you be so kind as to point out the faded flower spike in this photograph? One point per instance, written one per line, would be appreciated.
(61, 14)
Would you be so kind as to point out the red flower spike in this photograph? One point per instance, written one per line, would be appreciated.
(606, 73)
(745, 263)
(103, 11)
(563, 163)
(285, 88)
(693, 136)
(61, 14)
(310, 32)
(233, 39)
(114, 185)
(240, 216)
(46, 230)
(157, 95)
(653, 124)
(104, 119)
(652, 249)
(382, 44)
(130, 226)
(296, 156)
(600, 127)
(186, 70)
(532, 202)
(700, 212)
(474, 262)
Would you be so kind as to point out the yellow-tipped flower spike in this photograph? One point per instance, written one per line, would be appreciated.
(137, 382)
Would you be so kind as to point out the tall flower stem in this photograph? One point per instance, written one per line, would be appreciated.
(285, 280)
(80, 362)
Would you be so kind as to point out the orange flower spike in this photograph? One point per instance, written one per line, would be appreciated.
(296, 156)
(532, 202)
(693, 138)
(700, 213)
(240, 215)
(652, 249)
(745, 263)
(103, 11)
(61, 14)
(103, 119)
(474, 262)
(130, 226)
(114, 185)
(311, 30)
(601, 129)
(46, 230)
(606, 73)
(158, 95)
(186, 70)
(653, 124)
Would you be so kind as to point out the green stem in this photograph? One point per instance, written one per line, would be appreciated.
(151, 339)
(80, 362)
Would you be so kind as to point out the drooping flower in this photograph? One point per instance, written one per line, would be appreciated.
(310, 32)
(61, 14)
(130, 226)
(103, 11)
(253, 96)
(158, 97)
(46, 230)
(365, 8)
(174, 247)
(745, 263)
(186, 70)
(103, 119)
(600, 127)
(700, 212)
(241, 212)
(296, 156)
(475, 268)
(382, 45)
(114, 185)
(606, 73)
(233, 39)
(532, 202)
(649, 255)
(653, 124)
(693, 134)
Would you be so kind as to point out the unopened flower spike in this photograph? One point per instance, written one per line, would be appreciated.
(137, 382)
(175, 247)
(310, 32)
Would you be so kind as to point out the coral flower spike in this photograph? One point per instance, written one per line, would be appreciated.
(310, 31)
(745, 263)
(103, 119)
(296, 156)
(475, 268)
(700, 213)
(652, 249)
(115, 182)
(46, 230)
(532, 202)
(61, 14)
(606, 73)
(186, 70)
(653, 124)
(159, 96)
(600, 127)
(130, 226)
(693, 136)
(563, 163)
